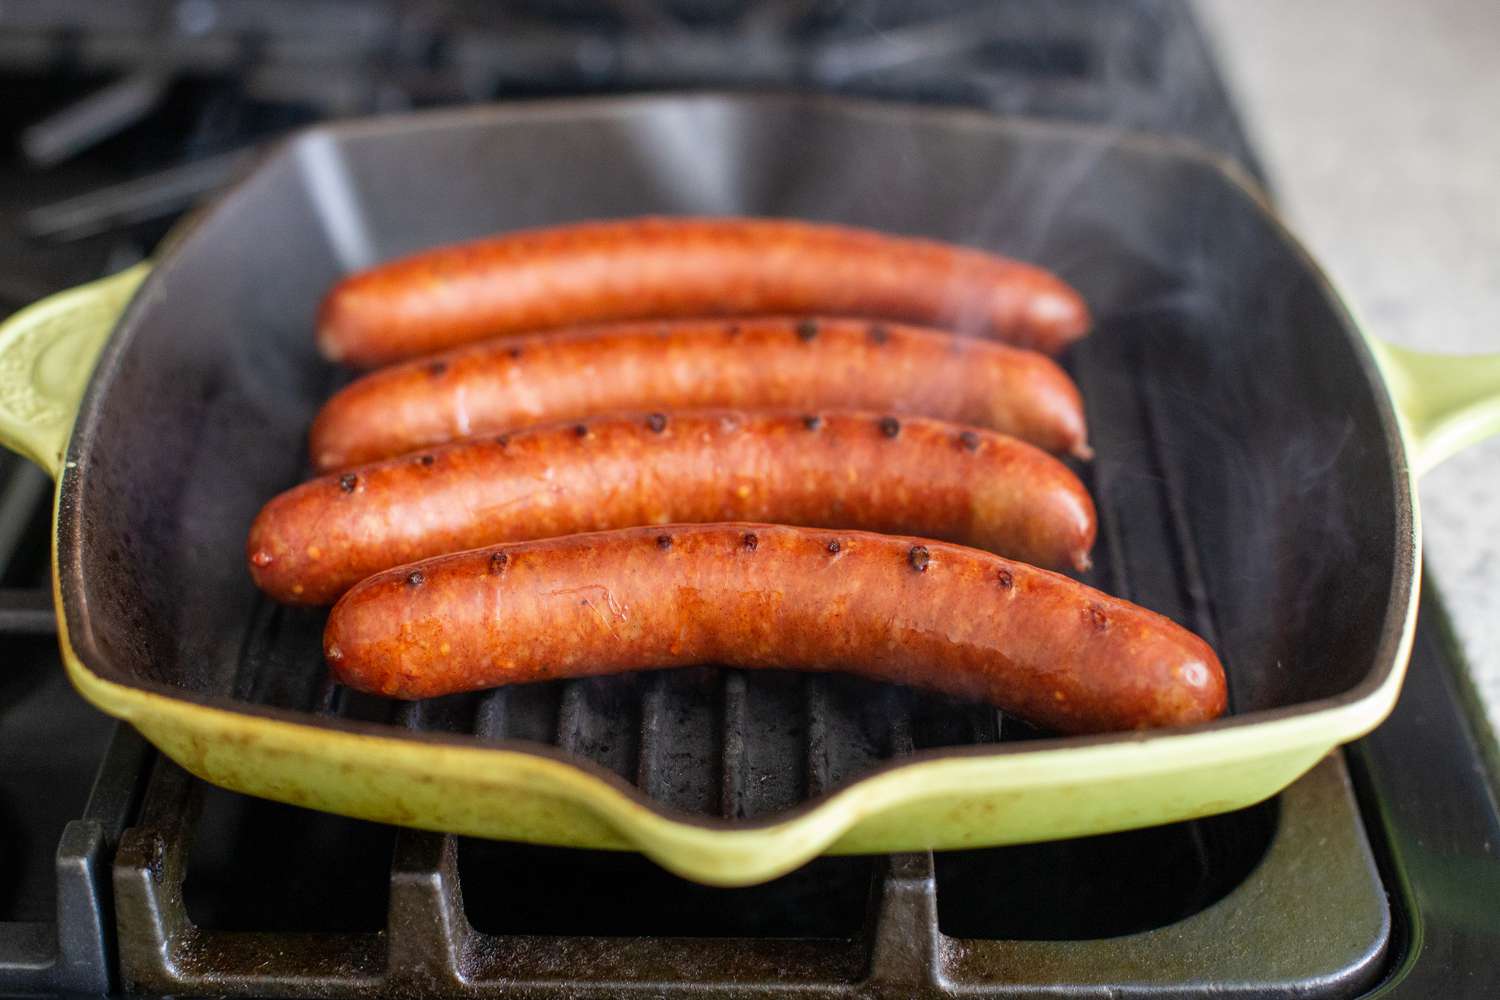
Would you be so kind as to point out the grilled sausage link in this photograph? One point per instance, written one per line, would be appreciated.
(837, 363)
(654, 268)
(841, 469)
(924, 613)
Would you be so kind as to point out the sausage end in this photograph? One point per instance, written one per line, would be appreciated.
(330, 333)
(329, 344)
(1055, 318)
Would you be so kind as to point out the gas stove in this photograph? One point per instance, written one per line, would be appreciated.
(120, 873)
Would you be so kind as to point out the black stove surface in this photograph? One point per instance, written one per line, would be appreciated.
(1373, 875)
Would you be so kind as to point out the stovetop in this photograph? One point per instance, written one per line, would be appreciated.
(121, 873)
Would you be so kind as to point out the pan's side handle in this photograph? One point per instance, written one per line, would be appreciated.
(1446, 401)
(47, 354)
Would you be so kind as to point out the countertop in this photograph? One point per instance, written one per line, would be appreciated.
(1379, 125)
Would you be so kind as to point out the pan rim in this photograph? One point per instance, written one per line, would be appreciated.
(1334, 719)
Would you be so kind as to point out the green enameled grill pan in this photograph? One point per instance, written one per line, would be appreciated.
(1255, 469)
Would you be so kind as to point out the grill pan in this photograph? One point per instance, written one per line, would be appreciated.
(1252, 478)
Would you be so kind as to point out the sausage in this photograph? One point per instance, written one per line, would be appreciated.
(855, 470)
(802, 363)
(930, 614)
(654, 268)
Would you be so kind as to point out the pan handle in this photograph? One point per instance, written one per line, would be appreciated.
(47, 355)
(1446, 402)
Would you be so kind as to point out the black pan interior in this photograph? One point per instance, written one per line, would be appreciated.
(1247, 472)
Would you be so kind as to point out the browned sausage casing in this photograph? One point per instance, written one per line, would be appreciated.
(925, 613)
(793, 363)
(854, 470)
(655, 268)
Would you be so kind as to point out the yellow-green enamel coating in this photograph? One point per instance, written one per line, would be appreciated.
(47, 353)
(997, 796)
(959, 801)
(1445, 402)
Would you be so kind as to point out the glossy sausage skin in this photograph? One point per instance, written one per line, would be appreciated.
(655, 268)
(794, 363)
(840, 469)
(925, 613)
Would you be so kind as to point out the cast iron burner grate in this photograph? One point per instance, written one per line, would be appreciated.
(561, 923)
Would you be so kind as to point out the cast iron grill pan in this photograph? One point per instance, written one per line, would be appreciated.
(1242, 478)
